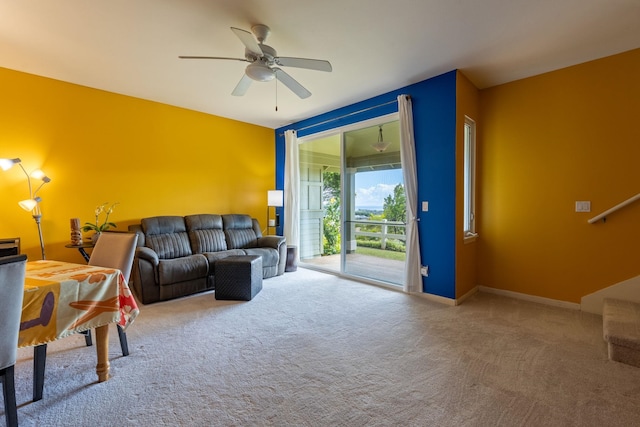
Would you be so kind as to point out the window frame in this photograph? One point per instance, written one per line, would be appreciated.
(469, 180)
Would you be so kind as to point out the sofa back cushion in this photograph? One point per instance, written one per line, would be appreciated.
(167, 236)
(239, 231)
(205, 233)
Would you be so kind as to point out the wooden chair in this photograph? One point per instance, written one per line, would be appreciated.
(12, 272)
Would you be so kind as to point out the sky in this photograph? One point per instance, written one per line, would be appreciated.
(373, 187)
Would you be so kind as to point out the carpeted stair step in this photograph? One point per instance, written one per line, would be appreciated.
(621, 330)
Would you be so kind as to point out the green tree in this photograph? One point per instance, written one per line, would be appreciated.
(331, 220)
(330, 186)
(395, 205)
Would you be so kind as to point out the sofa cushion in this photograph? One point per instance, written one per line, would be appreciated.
(171, 271)
(239, 231)
(269, 256)
(212, 257)
(167, 236)
(205, 233)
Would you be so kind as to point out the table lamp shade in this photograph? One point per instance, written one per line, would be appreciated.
(275, 198)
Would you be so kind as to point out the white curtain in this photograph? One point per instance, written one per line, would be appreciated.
(292, 191)
(412, 277)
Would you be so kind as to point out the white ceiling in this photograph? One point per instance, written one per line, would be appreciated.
(131, 47)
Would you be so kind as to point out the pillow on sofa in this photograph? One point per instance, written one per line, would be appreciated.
(205, 233)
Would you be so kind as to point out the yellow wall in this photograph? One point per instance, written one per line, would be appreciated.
(97, 146)
(467, 99)
(544, 143)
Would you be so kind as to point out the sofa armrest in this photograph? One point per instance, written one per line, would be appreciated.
(146, 263)
(271, 242)
(148, 254)
(144, 275)
(278, 243)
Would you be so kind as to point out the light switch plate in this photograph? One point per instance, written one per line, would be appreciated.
(425, 206)
(583, 206)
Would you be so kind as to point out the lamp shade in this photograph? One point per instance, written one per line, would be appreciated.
(38, 174)
(275, 198)
(29, 204)
(381, 145)
(6, 164)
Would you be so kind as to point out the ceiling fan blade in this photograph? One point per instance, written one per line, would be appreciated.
(212, 57)
(248, 40)
(292, 84)
(242, 86)
(311, 64)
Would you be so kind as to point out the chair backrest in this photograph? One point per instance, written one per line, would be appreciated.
(115, 250)
(12, 272)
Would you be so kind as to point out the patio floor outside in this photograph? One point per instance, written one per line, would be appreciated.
(366, 266)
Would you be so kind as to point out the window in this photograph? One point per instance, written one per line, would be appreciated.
(469, 223)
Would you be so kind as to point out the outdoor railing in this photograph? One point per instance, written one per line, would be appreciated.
(383, 234)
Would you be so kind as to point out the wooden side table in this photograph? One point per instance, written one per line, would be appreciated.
(81, 248)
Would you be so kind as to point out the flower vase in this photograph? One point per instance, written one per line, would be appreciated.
(95, 237)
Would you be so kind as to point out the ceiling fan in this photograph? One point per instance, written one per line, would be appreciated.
(264, 61)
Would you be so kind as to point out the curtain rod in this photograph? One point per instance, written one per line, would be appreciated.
(346, 115)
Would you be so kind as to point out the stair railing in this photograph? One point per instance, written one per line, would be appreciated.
(603, 215)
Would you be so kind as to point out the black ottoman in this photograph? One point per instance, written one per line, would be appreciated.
(238, 277)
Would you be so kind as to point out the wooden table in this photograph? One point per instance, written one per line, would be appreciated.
(81, 248)
(61, 299)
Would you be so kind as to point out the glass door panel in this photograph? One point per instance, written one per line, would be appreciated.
(320, 202)
(374, 204)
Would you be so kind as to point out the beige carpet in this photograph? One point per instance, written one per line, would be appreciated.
(315, 350)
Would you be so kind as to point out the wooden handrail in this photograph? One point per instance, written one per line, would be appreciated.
(615, 208)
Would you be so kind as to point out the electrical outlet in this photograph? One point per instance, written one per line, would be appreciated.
(424, 270)
(583, 206)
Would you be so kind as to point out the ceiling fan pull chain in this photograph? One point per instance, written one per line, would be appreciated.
(276, 94)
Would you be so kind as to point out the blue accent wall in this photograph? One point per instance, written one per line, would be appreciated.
(434, 122)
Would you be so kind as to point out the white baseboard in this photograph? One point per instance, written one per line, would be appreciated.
(467, 295)
(445, 300)
(435, 298)
(532, 298)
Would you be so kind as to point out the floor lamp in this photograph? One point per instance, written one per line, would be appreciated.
(275, 198)
(32, 204)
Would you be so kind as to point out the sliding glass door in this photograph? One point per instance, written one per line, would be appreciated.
(352, 205)
(320, 201)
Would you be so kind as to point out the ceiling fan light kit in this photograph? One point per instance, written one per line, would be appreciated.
(263, 60)
(260, 72)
